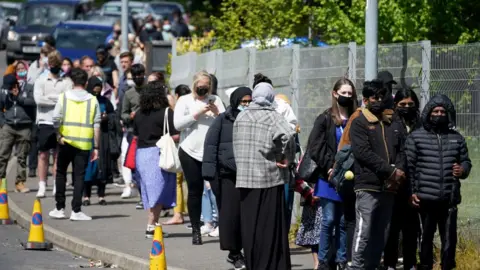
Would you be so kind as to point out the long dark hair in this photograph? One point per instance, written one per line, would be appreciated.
(153, 97)
(404, 93)
(259, 78)
(334, 110)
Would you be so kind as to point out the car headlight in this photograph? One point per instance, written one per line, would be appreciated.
(12, 36)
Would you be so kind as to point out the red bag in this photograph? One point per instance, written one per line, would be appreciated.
(131, 154)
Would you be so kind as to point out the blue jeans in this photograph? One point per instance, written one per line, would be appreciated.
(209, 205)
(332, 218)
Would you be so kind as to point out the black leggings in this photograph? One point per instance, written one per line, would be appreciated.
(192, 170)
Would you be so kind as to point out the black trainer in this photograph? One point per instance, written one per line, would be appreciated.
(149, 234)
(237, 261)
(32, 173)
(139, 205)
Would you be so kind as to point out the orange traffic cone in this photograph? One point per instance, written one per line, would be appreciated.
(157, 254)
(4, 214)
(36, 238)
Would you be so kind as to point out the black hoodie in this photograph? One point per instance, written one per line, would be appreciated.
(431, 154)
(218, 154)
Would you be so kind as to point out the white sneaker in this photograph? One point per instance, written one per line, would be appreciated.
(58, 214)
(42, 186)
(205, 229)
(214, 233)
(80, 216)
(127, 193)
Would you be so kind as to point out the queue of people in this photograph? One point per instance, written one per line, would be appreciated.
(240, 161)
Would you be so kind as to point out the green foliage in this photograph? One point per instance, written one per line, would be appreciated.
(258, 19)
(341, 21)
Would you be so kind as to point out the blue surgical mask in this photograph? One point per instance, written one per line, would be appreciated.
(241, 108)
(22, 74)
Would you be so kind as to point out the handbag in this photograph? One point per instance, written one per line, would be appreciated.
(169, 160)
(131, 154)
(307, 168)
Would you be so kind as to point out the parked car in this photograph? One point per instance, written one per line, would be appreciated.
(109, 18)
(115, 7)
(36, 20)
(5, 24)
(11, 10)
(76, 39)
(165, 9)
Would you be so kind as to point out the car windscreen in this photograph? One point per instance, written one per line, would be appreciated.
(45, 14)
(118, 9)
(164, 9)
(84, 39)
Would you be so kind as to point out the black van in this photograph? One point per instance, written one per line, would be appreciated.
(36, 20)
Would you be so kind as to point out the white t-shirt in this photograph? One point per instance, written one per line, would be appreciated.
(193, 131)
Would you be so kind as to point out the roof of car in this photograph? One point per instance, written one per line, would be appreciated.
(71, 2)
(92, 24)
(130, 3)
(11, 5)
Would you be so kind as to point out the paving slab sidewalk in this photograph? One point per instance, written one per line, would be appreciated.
(120, 227)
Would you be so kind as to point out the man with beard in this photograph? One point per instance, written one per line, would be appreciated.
(437, 157)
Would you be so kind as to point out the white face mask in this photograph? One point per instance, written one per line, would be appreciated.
(130, 82)
(167, 27)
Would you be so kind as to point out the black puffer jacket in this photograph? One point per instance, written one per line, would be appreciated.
(218, 157)
(431, 155)
(19, 110)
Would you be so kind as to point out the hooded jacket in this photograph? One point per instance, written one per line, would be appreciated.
(218, 148)
(431, 154)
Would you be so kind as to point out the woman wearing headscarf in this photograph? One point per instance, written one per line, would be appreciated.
(99, 172)
(218, 160)
(264, 146)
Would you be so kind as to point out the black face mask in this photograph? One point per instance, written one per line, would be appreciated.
(139, 81)
(55, 70)
(376, 107)
(345, 102)
(407, 112)
(202, 91)
(439, 121)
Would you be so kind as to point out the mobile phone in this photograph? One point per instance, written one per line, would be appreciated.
(211, 99)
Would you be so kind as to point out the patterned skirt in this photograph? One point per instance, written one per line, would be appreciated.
(158, 186)
(309, 231)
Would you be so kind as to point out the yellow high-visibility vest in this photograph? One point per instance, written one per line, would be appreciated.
(77, 123)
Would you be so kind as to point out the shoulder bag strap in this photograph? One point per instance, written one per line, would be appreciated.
(166, 129)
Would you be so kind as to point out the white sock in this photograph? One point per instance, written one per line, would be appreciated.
(150, 227)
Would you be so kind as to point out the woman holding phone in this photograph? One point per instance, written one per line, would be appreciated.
(194, 113)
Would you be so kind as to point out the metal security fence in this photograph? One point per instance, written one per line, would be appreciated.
(307, 76)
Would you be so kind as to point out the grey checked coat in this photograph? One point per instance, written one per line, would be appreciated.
(261, 137)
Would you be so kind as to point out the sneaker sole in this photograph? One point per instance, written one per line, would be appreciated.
(57, 217)
(236, 268)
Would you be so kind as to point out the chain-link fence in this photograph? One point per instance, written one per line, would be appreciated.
(307, 76)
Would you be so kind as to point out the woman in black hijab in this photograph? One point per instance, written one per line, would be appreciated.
(219, 162)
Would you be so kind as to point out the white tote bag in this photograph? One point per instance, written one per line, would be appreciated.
(169, 160)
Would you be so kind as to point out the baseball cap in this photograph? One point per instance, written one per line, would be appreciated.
(386, 77)
(9, 81)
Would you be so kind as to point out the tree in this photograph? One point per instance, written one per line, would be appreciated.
(341, 21)
(258, 19)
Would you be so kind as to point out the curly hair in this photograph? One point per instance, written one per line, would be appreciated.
(153, 97)
(259, 78)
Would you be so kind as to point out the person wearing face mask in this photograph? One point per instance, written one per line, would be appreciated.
(322, 146)
(404, 217)
(67, 66)
(379, 169)
(130, 105)
(218, 157)
(150, 33)
(99, 172)
(437, 158)
(38, 66)
(194, 114)
(46, 91)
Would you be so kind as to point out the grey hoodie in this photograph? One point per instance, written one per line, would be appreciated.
(76, 94)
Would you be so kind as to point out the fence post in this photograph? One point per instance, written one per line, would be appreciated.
(295, 106)
(252, 63)
(174, 47)
(426, 65)
(218, 71)
(149, 59)
(352, 61)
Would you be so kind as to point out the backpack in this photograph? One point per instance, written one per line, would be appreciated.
(343, 162)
